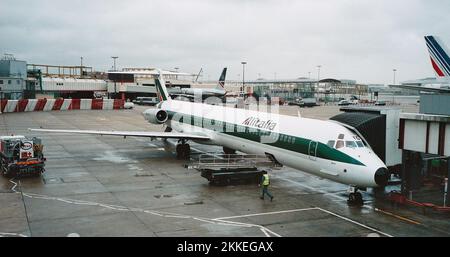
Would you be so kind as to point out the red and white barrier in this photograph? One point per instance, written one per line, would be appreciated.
(33, 105)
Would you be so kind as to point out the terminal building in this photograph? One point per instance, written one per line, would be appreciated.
(13, 77)
(132, 82)
(326, 90)
(19, 80)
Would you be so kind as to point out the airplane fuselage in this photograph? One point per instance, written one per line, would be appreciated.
(323, 148)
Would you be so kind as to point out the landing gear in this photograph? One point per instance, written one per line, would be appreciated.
(355, 197)
(227, 150)
(183, 151)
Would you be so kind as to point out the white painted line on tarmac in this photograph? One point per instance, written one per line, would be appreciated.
(308, 209)
(265, 230)
(355, 222)
(335, 195)
(310, 188)
(4, 234)
(266, 213)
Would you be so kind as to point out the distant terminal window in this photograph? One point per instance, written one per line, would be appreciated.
(18, 82)
(331, 143)
(9, 82)
(339, 144)
(1, 81)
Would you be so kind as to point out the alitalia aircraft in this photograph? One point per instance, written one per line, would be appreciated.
(324, 148)
(218, 91)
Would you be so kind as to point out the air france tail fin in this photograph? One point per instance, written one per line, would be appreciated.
(161, 89)
(439, 56)
(221, 84)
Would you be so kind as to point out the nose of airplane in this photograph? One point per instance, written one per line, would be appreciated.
(381, 176)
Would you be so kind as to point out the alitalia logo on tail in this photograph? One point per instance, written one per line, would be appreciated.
(160, 90)
(439, 56)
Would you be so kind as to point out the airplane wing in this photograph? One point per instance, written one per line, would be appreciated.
(182, 95)
(127, 133)
(422, 88)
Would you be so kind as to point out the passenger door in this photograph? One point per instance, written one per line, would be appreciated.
(312, 150)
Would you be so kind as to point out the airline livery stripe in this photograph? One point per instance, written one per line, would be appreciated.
(438, 54)
(436, 68)
(162, 95)
(283, 141)
(437, 51)
(438, 61)
(441, 52)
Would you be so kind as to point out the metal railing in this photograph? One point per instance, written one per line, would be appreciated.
(231, 161)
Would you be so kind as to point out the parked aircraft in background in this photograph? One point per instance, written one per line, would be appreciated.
(440, 61)
(218, 91)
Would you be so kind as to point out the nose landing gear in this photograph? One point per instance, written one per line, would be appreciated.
(183, 150)
(355, 197)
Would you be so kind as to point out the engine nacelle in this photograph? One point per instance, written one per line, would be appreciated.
(155, 116)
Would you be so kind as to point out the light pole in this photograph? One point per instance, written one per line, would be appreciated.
(243, 76)
(114, 58)
(394, 70)
(393, 98)
(115, 88)
(81, 67)
(309, 75)
(318, 75)
(176, 70)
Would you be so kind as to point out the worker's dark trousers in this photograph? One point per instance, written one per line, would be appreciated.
(265, 190)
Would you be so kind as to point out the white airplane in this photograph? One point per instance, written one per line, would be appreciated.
(440, 61)
(218, 91)
(324, 148)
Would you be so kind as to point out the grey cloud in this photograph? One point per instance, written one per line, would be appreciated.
(360, 40)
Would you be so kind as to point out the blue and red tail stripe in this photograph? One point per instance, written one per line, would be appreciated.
(439, 58)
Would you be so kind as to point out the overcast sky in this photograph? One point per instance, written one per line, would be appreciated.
(361, 40)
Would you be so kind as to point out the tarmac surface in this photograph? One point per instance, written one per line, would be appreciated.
(111, 186)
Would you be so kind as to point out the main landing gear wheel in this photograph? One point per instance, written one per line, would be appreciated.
(183, 151)
(227, 150)
(355, 199)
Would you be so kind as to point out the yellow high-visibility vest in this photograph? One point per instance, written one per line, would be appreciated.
(266, 180)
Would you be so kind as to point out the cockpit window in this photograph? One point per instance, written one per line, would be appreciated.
(360, 144)
(341, 136)
(331, 143)
(351, 144)
(339, 144)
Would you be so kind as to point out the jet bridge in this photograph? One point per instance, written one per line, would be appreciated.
(380, 127)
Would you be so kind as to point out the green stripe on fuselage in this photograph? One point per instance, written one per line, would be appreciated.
(279, 140)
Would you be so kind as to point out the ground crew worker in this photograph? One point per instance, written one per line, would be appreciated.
(265, 182)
